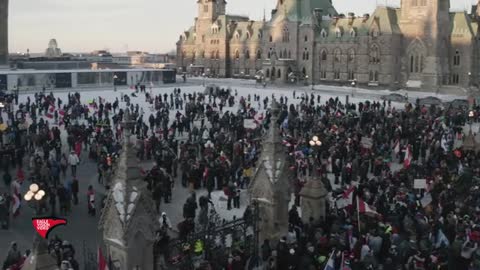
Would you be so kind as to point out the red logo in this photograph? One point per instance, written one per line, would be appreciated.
(45, 225)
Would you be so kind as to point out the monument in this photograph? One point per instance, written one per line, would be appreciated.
(53, 51)
(129, 220)
(270, 186)
(3, 33)
(313, 200)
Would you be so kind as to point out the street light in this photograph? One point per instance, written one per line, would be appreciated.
(34, 193)
(315, 141)
(115, 77)
(203, 79)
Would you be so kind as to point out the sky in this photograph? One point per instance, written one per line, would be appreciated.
(121, 25)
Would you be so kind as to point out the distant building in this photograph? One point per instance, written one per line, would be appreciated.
(421, 43)
(53, 50)
(3, 33)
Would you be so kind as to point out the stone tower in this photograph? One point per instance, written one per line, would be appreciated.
(426, 25)
(270, 186)
(211, 9)
(129, 220)
(3, 33)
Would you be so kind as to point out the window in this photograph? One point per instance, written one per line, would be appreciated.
(337, 55)
(456, 58)
(351, 56)
(279, 74)
(336, 75)
(416, 63)
(267, 73)
(247, 54)
(217, 55)
(323, 75)
(237, 54)
(306, 39)
(194, 54)
(373, 76)
(351, 75)
(237, 35)
(323, 33)
(212, 55)
(338, 33)
(202, 55)
(374, 55)
(248, 35)
(353, 33)
(324, 56)
(271, 38)
(455, 78)
(259, 55)
(247, 71)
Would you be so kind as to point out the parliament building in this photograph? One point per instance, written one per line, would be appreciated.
(420, 44)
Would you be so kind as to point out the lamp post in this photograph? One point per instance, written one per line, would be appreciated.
(204, 75)
(471, 115)
(34, 194)
(354, 84)
(115, 77)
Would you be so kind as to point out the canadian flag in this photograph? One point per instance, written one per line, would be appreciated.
(102, 264)
(346, 198)
(396, 149)
(364, 208)
(408, 157)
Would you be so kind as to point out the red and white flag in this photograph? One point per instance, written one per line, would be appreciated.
(408, 157)
(396, 149)
(364, 208)
(346, 198)
(102, 263)
(16, 205)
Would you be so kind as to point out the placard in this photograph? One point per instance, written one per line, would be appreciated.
(420, 184)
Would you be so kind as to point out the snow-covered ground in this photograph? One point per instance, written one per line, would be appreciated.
(244, 88)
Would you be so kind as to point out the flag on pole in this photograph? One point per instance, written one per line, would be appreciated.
(408, 157)
(346, 198)
(330, 263)
(102, 264)
(396, 149)
(364, 208)
(16, 205)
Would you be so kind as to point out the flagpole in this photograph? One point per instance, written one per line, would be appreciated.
(329, 258)
(358, 216)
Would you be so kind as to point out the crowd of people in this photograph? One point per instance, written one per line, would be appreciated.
(403, 187)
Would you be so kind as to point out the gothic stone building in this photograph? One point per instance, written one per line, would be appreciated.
(420, 44)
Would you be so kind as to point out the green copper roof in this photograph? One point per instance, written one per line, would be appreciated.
(302, 10)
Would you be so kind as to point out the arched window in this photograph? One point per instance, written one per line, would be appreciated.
(306, 39)
(324, 56)
(337, 55)
(270, 38)
(374, 55)
(279, 74)
(248, 35)
(217, 55)
(338, 33)
(259, 55)
(351, 56)
(323, 33)
(212, 55)
(237, 36)
(268, 73)
(456, 58)
(247, 54)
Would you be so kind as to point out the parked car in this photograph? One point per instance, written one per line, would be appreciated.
(395, 98)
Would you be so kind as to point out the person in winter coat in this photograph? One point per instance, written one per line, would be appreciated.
(73, 161)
